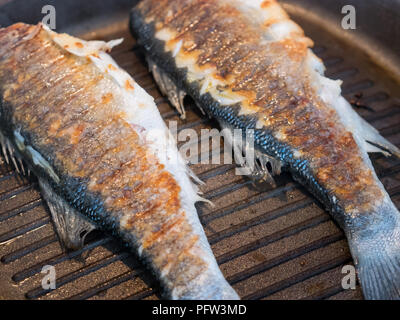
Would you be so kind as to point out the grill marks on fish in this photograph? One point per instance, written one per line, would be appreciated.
(64, 107)
(273, 81)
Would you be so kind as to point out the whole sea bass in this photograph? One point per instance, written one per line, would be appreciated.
(103, 155)
(249, 66)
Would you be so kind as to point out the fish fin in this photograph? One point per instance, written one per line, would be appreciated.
(194, 177)
(204, 200)
(71, 226)
(371, 148)
(330, 92)
(382, 145)
(11, 156)
(379, 276)
(374, 142)
(266, 168)
(197, 181)
(262, 167)
(376, 253)
(198, 105)
(168, 88)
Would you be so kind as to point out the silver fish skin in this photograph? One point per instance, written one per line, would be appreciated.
(249, 66)
(103, 156)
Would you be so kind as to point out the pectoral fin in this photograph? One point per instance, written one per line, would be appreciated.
(71, 226)
(11, 157)
(259, 167)
(169, 89)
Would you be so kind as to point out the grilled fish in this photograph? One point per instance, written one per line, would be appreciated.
(246, 64)
(103, 156)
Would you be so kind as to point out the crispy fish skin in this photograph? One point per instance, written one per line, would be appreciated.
(72, 123)
(249, 66)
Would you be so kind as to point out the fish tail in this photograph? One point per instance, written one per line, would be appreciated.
(375, 246)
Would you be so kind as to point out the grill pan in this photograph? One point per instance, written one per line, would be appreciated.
(275, 243)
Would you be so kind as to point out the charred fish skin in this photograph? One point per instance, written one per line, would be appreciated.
(84, 127)
(249, 66)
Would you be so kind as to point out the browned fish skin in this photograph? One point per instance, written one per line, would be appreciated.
(60, 105)
(291, 121)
